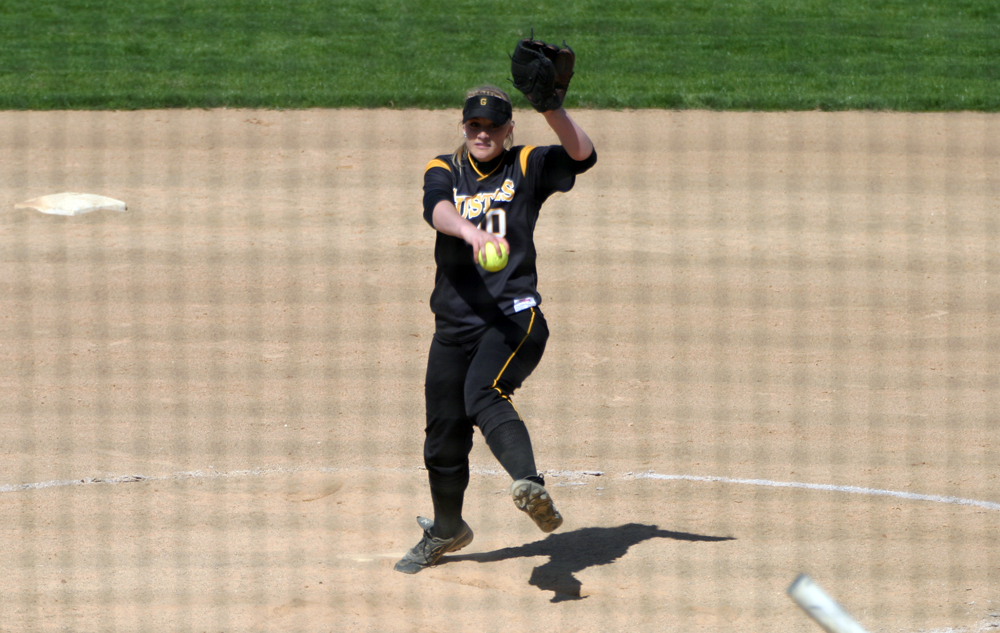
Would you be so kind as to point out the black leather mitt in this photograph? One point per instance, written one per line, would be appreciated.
(542, 72)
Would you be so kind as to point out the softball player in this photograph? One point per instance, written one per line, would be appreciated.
(490, 333)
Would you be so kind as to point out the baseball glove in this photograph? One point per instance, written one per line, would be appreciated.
(542, 72)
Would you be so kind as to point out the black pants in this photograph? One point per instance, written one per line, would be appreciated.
(469, 383)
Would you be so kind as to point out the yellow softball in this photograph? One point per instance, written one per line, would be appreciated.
(490, 260)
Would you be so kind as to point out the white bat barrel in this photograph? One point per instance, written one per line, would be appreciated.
(821, 607)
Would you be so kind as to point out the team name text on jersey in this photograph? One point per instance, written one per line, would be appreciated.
(471, 207)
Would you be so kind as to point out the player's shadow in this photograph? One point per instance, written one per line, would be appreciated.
(571, 552)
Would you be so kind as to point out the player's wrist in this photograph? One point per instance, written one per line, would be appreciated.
(469, 233)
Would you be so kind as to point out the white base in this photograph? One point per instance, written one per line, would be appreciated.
(72, 204)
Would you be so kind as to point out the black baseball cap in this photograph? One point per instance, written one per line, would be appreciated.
(487, 106)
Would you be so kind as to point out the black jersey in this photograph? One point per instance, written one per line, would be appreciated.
(502, 197)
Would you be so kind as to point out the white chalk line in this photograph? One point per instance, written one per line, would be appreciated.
(258, 472)
(126, 479)
(874, 492)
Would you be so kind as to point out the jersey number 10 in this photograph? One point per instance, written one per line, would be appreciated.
(495, 222)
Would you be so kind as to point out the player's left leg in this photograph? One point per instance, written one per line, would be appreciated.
(506, 355)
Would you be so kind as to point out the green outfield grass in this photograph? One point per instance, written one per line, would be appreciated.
(742, 54)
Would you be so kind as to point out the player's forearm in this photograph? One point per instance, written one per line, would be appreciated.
(572, 137)
(448, 221)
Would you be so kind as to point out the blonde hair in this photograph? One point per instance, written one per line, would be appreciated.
(487, 90)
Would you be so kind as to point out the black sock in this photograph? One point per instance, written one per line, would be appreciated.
(448, 495)
(511, 445)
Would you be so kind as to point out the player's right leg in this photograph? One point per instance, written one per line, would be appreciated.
(447, 443)
(431, 548)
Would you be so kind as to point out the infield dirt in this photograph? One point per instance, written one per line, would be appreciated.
(213, 404)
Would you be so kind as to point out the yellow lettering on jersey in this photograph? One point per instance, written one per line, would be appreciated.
(506, 190)
(460, 203)
(471, 207)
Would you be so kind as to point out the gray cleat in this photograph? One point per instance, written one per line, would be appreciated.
(430, 549)
(534, 499)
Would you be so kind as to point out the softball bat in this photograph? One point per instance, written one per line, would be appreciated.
(822, 607)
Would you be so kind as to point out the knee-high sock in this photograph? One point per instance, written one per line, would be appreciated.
(511, 445)
(448, 494)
